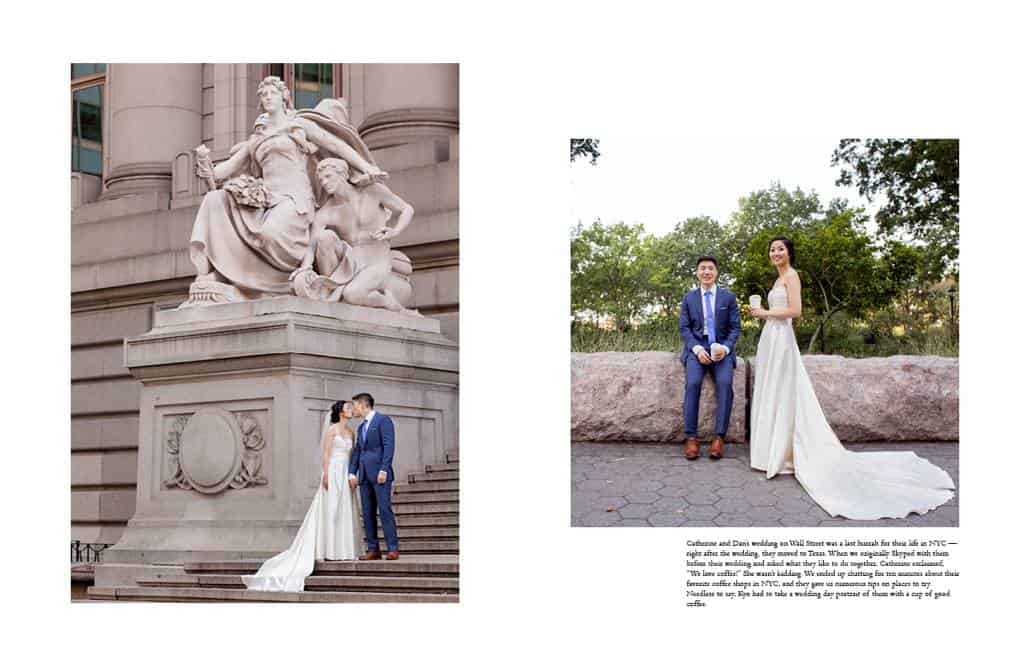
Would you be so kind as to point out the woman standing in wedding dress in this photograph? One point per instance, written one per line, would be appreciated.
(330, 527)
(790, 435)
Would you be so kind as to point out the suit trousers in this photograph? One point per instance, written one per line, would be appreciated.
(377, 496)
(695, 371)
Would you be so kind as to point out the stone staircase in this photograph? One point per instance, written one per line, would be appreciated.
(427, 523)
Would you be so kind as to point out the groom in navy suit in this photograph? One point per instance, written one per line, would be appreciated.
(371, 469)
(709, 326)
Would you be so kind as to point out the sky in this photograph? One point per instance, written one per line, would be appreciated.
(659, 181)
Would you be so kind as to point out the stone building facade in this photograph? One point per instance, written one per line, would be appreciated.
(134, 197)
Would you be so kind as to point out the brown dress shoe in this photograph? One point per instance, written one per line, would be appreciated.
(692, 449)
(392, 555)
(715, 451)
(371, 555)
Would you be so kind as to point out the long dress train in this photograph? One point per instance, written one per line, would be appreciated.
(789, 434)
(329, 531)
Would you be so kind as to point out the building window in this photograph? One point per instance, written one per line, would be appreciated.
(309, 83)
(87, 88)
(312, 82)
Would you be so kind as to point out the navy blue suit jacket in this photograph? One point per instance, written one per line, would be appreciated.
(374, 453)
(692, 322)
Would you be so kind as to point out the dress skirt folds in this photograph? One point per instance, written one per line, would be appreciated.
(330, 531)
(256, 234)
(790, 434)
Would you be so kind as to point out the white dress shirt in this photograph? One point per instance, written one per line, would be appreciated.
(368, 424)
(704, 318)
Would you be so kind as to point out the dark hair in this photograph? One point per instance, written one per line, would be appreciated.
(366, 399)
(788, 243)
(334, 413)
(706, 257)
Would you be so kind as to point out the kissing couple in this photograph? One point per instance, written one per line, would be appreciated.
(789, 432)
(357, 470)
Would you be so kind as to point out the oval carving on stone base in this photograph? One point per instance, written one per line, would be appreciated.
(210, 450)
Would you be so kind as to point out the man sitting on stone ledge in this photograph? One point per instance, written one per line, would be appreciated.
(709, 326)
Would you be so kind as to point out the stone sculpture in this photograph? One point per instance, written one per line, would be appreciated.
(261, 231)
(350, 256)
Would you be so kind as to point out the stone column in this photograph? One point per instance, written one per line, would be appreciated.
(235, 104)
(409, 103)
(155, 113)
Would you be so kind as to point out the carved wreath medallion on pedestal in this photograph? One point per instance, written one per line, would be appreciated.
(213, 450)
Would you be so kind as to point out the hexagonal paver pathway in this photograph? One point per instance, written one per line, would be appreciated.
(634, 485)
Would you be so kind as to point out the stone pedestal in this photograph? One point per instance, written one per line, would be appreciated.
(231, 407)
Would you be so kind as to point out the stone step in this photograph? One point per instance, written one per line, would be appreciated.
(425, 487)
(432, 476)
(216, 594)
(445, 467)
(422, 508)
(415, 520)
(422, 565)
(422, 546)
(315, 583)
(424, 532)
(414, 498)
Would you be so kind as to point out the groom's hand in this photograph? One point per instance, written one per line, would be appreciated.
(703, 356)
(353, 482)
(719, 354)
(381, 479)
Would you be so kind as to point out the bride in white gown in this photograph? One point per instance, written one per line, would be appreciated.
(330, 527)
(790, 435)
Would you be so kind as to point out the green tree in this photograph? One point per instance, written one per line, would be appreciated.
(900, 267)
(915, 303)
(919, 177)
(584, 148)
(672, 260)
(758, 213)
(609, 271)
(840, 267)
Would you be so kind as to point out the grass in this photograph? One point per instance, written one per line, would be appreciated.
(656, 336)
(843, 339)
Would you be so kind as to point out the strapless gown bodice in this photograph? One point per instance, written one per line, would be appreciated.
(341, 447)
(777, 299)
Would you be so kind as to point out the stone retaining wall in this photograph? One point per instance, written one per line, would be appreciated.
(638, 397)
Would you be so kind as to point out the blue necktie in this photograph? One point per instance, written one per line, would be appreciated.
(709, 318)
(361, 434)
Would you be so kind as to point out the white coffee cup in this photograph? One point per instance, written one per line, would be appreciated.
(755, 301)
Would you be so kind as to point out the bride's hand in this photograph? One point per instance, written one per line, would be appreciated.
(759, 312)
(325, 481)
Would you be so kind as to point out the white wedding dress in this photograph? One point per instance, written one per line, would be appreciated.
(789, 434)
(329, 531)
